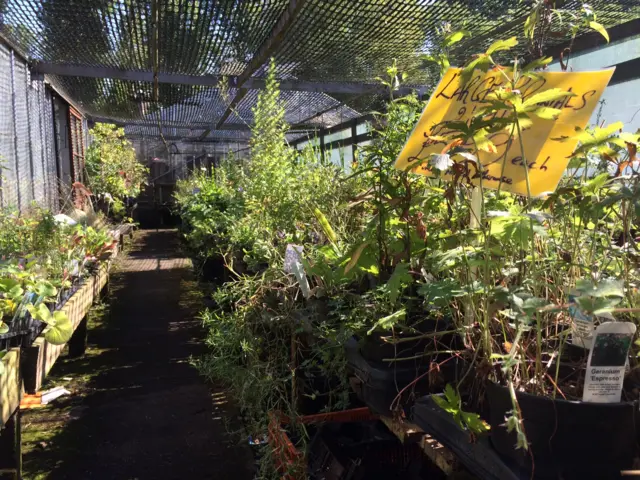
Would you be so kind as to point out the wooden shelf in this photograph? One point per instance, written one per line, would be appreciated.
(40, 357)
(407, 432)
(10, 386)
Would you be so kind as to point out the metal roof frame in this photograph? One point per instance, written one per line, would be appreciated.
(253, 83)
(195, 65)
(284, 23)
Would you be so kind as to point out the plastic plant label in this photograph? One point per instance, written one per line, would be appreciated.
(503, 161)
(607, 361)
(293, 264)
(582, 325)
(292, 255)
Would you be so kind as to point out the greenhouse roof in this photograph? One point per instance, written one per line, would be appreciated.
(194, 68)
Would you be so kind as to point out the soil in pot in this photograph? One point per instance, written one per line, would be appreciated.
(568, 440)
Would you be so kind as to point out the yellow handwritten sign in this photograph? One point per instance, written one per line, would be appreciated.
(546, 158)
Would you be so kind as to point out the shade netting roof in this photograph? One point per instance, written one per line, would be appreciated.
(192, 68)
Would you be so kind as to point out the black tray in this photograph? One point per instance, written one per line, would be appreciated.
(382, 383)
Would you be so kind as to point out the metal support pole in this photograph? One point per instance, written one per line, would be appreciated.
(30, 142)
(15, 128)
(43, 145)
(354, 134)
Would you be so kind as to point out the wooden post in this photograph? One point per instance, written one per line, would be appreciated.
(11, 449)
(29, 358)
(78, 341)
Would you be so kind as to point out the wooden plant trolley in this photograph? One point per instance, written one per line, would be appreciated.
(39, 358)
(450, 447)
(26, 369)
(443, 458)
(10, 396)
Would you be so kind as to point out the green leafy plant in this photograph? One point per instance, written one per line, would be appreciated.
(451, 403)
(59, 328)
(113, 170)
(41, 259)
(513, 278)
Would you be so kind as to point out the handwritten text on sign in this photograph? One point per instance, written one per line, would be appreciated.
(546, 159)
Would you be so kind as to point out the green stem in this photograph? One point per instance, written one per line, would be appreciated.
(533, 246)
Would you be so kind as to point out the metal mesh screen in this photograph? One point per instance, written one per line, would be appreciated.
(21, 116)
(7, 133)
(48, 139)
(345, 42)
(196, 36)
(38, 160)
(340, 40)
(27, 148)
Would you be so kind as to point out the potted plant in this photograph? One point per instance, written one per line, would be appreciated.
(114, 173)
(527, 266)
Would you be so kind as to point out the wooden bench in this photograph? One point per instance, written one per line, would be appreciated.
(26, 369)
(121, 232)
(407, 432)
(39, 358)
(10, 396)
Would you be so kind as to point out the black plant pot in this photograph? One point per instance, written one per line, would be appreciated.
(374, 349)
(382, 382)
(22, 333)
(213, 269)
(568, 440)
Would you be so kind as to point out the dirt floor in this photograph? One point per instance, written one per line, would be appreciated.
(138, 409)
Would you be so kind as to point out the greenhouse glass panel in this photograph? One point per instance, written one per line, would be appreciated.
(339, 135)
(363, 128)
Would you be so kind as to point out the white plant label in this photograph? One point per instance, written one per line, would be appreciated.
(582, 325)
(293, 264)
(607, 361)
(292, 255)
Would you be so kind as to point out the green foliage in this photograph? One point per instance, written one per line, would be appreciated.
(250, 212)
(389, 321)
(451, 403)
(41, 260)
(113, 171)
(59, 328)
(209, 207)
(266, 342)
(398, 281)
(387, 252)
(514, 281)
(393, 209)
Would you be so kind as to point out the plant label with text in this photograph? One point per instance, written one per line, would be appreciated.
(503, 163)
(607, 361)
(582, 324)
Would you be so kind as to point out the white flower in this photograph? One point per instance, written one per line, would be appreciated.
(441, 162)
